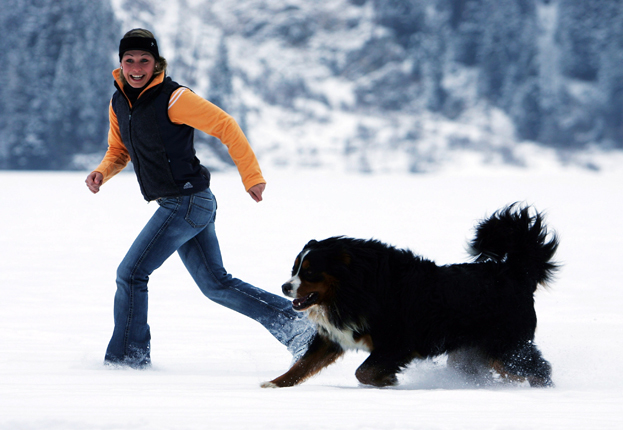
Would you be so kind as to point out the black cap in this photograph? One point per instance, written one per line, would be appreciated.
(140, 43)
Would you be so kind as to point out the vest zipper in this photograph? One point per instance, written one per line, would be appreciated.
(136, 162)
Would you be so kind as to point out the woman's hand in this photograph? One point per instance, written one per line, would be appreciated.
(94, 181)
(256, 192)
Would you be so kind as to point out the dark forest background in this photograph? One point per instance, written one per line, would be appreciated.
(558, 76)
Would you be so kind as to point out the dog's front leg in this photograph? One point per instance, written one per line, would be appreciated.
(381, 366)
(321, 353)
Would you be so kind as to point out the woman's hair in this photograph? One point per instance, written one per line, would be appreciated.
(161, 63)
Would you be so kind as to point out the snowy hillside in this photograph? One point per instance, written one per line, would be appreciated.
(375, 86)
(350, 85)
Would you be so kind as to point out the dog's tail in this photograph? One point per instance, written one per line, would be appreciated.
(514, 237)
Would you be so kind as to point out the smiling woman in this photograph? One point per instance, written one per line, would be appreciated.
(152, 123)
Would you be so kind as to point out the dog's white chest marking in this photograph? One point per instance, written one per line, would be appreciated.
(345, 337)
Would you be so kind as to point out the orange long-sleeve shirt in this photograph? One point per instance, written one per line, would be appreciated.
(185, 107)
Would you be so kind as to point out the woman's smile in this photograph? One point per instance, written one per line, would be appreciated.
(137, 78)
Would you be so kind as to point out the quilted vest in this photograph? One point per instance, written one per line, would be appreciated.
(162, 153)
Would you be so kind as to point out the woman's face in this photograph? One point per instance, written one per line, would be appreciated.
(137, 67)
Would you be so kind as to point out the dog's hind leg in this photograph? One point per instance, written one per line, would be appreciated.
(468, 361)
(381, 367)
(321, 353)
(526, 362)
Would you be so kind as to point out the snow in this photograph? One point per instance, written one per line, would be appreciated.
(60, 246)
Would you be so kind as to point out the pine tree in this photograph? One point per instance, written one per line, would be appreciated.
(404, 17)
(221, 94)
(581, 35)
(467, 22)
(58, 81)
(221, 88)
(610, 79)
(507, 55)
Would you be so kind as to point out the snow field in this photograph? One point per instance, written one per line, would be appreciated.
(60, 246)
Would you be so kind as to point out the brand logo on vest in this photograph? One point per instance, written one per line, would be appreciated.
(188, 185)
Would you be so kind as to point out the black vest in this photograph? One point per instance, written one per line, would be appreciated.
(162, 153)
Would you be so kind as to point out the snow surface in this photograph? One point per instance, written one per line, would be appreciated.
(60, 246)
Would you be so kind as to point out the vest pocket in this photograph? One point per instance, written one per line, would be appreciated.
(200, 209)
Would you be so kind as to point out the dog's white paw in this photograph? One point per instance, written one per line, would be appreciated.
(268, 384)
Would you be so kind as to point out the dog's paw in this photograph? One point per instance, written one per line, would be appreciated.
(268, 384)
(540, 382)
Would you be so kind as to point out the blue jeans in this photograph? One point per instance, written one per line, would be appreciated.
(186, 225)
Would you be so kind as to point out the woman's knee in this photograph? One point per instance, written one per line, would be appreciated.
(131, 277)
(212, 287)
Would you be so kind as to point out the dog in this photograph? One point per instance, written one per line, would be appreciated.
(366, 295)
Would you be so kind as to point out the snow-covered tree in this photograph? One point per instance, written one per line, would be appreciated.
(57, 61)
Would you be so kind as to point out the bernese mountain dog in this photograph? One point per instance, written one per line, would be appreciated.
(363, 294)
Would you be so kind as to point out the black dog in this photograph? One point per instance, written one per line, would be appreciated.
(363, 294)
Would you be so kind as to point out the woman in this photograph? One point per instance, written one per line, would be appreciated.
(152, 120)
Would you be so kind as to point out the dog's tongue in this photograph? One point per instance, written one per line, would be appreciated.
(296, 303)
(304, 302)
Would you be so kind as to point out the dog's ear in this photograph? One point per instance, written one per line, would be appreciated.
(311, 243)
(345, 258)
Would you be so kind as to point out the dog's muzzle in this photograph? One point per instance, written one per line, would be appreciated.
(287, 289)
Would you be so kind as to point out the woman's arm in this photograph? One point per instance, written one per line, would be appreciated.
(185, 107)
(117, 155)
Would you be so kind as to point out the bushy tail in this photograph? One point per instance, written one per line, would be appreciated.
(514, 237)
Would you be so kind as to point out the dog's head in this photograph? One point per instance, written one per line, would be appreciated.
(315, 274)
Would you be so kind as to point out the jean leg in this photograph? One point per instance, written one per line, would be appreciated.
(202, 257)
(165, 232)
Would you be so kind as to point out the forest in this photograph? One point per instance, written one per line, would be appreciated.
(550, 67)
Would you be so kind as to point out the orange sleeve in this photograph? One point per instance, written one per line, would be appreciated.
(186, 107)
(117, 156)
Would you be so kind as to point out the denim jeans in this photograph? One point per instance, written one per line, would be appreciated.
(186, 225)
